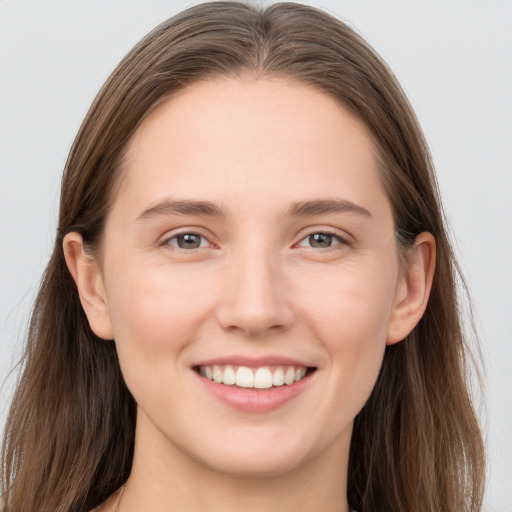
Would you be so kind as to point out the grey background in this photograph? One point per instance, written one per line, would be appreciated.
(453, 58)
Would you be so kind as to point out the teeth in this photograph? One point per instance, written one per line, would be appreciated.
(278, 377)
(289, 376)
(259, 378)
(217, 374)
(299, 374)
(244, 377)
(263, 378)
(229, 376)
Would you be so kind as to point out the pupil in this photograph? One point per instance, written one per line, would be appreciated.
(320, 240)
(189, 241)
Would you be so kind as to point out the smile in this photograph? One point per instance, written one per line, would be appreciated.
(265, 377)
(254, 385)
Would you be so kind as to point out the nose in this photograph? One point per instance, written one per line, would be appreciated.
(255, 296)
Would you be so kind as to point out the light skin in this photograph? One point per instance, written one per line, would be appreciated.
(276, 162)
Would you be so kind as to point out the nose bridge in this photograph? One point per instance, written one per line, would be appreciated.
(255, 298)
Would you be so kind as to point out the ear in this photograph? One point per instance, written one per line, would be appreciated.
(413, 289)
(89, 282)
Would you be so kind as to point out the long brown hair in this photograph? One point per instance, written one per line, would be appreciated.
(416, 445)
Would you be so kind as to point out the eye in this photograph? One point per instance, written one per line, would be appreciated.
(320, 241)
(188, 241)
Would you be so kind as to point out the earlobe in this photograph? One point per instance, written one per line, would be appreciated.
(414, 289)
(89, 282)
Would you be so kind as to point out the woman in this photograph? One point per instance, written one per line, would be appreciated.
(251, 300)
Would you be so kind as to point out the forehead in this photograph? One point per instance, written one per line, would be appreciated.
(239, 137)
(277, 107)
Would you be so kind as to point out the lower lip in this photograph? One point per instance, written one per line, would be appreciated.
(255, 400)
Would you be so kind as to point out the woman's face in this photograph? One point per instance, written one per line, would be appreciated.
(250, 241)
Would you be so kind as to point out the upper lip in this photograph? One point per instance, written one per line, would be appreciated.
(253, 362)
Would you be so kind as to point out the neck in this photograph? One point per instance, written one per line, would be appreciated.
(164, 478)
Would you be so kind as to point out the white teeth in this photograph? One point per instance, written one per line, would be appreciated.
(217, 374)
(278, 377)
(263, 378)
(289, 376)
(244, 377)
(259, 378)
(229, 376)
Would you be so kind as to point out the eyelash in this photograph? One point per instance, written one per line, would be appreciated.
(167, 242)
(340, 240)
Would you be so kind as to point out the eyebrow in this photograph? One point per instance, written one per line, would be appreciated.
(325, 206)
(209, 209)
(169, 207)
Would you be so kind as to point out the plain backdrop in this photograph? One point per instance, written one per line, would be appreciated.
(454, 60)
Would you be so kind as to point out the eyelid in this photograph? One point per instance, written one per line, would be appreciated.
(164, 241)
(330, 247)
(344, 238)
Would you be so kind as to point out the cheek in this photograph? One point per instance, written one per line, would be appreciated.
(152, 305)
(352, 305)
(154, 316)
(349, 316)
(352, 328)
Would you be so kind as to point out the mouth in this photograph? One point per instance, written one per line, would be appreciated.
(262, 378)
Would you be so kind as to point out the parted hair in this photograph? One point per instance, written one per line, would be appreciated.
(69, 438)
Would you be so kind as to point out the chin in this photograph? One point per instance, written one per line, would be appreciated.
(259, 453)
(261, 464)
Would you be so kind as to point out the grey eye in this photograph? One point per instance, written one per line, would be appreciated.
(320, 240)
(188, 241)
